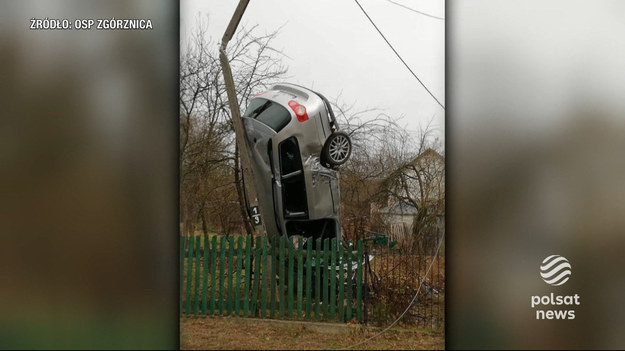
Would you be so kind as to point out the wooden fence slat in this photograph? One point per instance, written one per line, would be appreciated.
(222, 260)
(206, 262)
(263, 281)
(300, 277)
(237, 285)
(248, 271)
(291, 268)
(309, 259)
(272, 277)
(230, 276)
(182, 251)
(350, 286)
(274, 264)
(282, 281)
(196, 290)
(189, 275)
(256, 276)
(333, 280)
(213, 273)
(359, 285)
(341, 300)
(326, 283)
(318, 281)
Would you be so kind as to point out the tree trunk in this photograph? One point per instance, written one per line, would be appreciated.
(204, 223)
(240, 193)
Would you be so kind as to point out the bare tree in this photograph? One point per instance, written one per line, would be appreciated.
(211, 188)
(379, 145)
(389, 166)
(419, 183)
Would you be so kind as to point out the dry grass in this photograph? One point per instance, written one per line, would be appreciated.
(247, 334)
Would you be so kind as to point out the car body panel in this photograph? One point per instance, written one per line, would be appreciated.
(287, 179)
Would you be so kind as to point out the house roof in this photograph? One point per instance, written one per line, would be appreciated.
(401, 209)
(429, 152)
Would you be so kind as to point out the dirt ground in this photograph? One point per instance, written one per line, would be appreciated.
(220, 333)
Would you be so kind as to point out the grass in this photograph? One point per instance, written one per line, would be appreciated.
(251, 334)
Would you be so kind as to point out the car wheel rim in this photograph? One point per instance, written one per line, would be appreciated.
(339, 148)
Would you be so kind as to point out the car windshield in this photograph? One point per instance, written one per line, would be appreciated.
(268, 112)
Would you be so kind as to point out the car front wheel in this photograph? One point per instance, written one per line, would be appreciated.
(336, 150)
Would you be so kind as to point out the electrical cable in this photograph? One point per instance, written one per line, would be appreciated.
(413, 10)
(396, 53)
(411, 302)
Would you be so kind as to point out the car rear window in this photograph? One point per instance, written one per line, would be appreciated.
(268, 112)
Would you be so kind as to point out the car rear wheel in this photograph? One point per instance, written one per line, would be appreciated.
(336, 150)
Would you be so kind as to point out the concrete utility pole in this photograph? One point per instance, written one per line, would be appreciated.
(248, 173)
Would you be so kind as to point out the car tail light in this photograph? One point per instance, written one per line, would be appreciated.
(300, 111)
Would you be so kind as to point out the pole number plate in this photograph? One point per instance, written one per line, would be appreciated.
(256, 216)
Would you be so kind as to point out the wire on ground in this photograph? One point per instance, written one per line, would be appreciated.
(409, 305)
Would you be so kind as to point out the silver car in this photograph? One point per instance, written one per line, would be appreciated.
(296, 149)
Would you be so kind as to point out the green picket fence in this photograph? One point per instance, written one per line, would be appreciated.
(265, 277)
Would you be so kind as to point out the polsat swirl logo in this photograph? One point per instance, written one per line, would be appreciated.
(555, 270)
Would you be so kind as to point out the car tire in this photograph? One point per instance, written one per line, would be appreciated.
(336, 150)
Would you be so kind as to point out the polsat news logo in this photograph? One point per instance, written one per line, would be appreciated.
(555, 270)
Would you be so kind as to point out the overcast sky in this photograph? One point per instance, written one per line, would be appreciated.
(334, 49)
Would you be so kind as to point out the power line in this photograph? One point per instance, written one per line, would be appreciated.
(396, 53)
(411, 302)
(413, 10)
